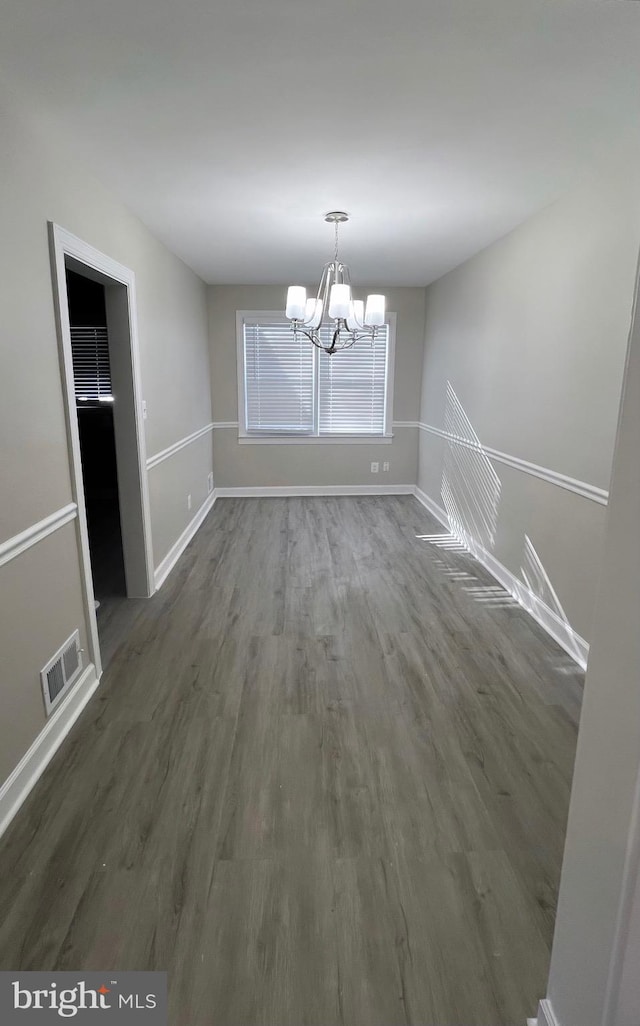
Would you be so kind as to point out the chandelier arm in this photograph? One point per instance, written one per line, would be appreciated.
(313, 337)
(332, 349)
(347, 345)
(325, 285)
(338, 335)
(345, 274)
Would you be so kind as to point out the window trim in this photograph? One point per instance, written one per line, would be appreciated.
(258, 438)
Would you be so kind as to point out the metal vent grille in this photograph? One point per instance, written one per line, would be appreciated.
(71, 660)
(55, 680)
(61, 671)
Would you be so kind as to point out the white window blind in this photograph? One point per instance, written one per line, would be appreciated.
(353, 389)
(279, 379)
(91, 370)
(291, 387)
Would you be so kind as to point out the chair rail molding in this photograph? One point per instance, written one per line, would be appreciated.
(164, 454)
(570, 484)
(19, 543)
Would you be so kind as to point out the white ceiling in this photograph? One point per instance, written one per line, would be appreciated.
(231, 128)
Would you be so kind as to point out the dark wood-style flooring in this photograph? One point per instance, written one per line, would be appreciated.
(324, 781)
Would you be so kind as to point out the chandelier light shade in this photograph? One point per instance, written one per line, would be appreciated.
(349, 319)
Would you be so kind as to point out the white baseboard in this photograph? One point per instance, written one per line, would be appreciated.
(546, 1015)
(18, 785)
(165, 567)
(433, 507)
(568, 639)
(307, 490)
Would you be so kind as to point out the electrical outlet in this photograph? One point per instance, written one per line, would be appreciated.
(375, 467)
(188, 502)
(209, 483)
(385, 466)
(144, 409)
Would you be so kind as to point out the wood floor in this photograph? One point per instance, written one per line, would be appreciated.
(325, 781)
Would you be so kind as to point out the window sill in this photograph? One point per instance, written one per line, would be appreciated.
(315, 439)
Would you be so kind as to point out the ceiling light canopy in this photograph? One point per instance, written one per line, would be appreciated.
(349, 319)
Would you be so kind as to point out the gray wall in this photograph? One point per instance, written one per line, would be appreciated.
(40, 592)
(531, 334)
(598, 923)
(238, 465)
(628, 993)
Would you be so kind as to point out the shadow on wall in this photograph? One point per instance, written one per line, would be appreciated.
(470, 490)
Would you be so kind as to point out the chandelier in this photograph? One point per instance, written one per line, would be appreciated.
(349, 319)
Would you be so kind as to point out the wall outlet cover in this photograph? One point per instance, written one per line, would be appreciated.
(375, 467)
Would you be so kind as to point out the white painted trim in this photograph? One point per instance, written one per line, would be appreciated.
(164, 454)
(165, 567)
(19, 784)
(405, 424)
(625, 907)
(307, 490)
(67, 244)
(315, 439)
(13, 547)
(558, 629)
(392, 320)
(240, 377)
(59, 247)
(433, 507)
(546, 1015)
(570, 484)
(224, 424)
(64, 244)
(141, 442)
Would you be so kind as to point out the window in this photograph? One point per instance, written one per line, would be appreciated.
(91, 369)
(287, 386)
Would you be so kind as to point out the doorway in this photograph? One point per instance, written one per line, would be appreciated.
(96, 311)
(95, 405)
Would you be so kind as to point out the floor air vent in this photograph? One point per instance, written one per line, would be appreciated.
(61, 671)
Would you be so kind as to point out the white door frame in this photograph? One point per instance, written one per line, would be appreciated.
(65, 245)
